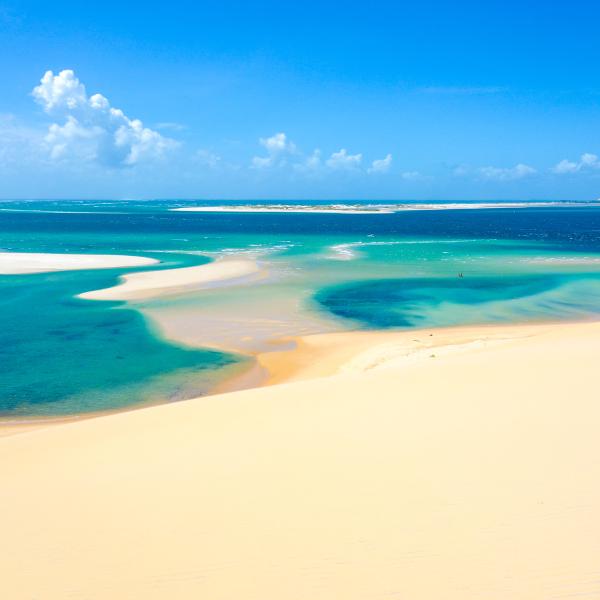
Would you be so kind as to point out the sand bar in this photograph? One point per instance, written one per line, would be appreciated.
(151, 284)
(461, 475)
(16, 263)
(353, 209)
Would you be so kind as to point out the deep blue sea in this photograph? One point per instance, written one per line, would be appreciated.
(60, 354)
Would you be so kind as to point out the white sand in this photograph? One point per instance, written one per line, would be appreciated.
(376, 208)
(469, 475)
(13, 263)
(150, 284)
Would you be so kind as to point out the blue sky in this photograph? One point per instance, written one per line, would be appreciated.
(277, 100)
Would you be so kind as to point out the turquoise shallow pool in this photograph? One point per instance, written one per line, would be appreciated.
(62, 355)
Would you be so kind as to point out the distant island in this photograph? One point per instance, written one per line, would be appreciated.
(375, 208)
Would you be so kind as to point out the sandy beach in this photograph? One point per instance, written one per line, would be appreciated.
(15, 263)
(454, 463)
(151, 284)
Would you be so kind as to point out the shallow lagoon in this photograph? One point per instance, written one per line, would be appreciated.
(63, 355)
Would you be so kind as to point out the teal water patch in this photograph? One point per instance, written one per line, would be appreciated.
(62, 355)
(438, 302)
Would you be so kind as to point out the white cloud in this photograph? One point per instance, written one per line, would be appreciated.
(278, 143)
(61, 138)
(590, 160)
(343, 160)
(262, 162)
(381, 165)
(565, 166)
(281, 152)
(586, 161)
(93, 130)
(62, 91)
(278, 147)
(507, 174)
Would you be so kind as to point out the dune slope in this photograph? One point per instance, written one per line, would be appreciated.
(464, 476)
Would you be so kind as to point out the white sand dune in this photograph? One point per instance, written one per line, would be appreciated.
(150, 284)
(13, 263)
(468, 471)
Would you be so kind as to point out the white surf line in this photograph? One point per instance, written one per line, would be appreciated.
(489, 205)
(20, 263)
(288, 209)
(346, 250)
(151, 284)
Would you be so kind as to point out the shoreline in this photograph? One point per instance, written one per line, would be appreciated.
(323, 355)
(467, 453)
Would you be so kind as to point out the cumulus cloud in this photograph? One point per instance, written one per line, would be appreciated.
(278, 143)
(585, 162)
(507, 174)
(281, 152)
(278, 146)
(381, 165)
(343, 161)
(92, 129)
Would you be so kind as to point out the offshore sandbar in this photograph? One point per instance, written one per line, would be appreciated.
(152, 284)
(18, 263)
(375, 208)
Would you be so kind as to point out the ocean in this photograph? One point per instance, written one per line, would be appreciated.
(62, 355)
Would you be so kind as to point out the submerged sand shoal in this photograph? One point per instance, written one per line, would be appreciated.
(462, 470)
(151, 284)
(16, 263)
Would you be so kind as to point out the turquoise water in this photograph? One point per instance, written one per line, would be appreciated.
(60, 354)
(431, 302)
